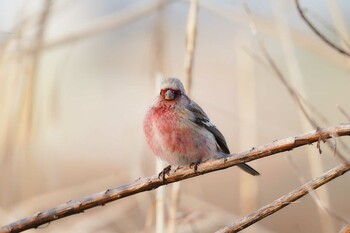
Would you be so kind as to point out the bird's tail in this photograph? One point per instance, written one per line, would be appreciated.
(249, 169)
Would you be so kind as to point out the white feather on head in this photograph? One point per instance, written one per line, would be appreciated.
(172, 83)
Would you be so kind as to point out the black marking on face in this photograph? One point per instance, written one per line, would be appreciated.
(170, 94)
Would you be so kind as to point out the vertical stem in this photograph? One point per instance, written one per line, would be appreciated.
(246, 93)
(160, 192)
(27, 114)
(191, 33)
(157, 70)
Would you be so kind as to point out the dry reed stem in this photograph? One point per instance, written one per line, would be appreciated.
(191, 35)
(158, 212)
(247, 108)
(160, 193)
(157, 70)
(25, 125)
(286, 200)
(149, 183)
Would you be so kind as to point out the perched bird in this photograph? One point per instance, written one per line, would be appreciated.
(179, 132)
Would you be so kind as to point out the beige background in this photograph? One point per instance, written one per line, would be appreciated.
(91, 95)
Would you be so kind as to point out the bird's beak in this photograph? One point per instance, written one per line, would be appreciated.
(169, 95)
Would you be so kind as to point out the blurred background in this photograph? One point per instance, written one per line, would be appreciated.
(76, 78)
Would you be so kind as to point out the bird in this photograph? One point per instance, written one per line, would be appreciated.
(180, 133)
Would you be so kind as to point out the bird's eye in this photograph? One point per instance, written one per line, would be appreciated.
(177, 93)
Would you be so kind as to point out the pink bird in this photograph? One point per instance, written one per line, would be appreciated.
(179, 132)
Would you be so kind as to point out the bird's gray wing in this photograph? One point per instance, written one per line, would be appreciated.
(201, 119)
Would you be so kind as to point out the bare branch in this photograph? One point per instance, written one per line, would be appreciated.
(345, 229)
(314, 195)
(153, 182)
(287, 199)
(318, 33)
(296, 97)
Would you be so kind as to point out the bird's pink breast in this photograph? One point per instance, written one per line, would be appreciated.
(172, 139)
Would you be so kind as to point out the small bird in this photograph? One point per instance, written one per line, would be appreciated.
(179, 132)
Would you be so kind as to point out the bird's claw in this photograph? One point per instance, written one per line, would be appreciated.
(164, 172)
(195, 165)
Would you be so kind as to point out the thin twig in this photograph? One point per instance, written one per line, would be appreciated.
(266, 25)
(342, 110)
(328, 26)
(314, 195)
(318, 33)
(153, 182)
(303, 105)
(301, 102)
(287, 199)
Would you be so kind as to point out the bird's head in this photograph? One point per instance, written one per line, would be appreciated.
(171, 89)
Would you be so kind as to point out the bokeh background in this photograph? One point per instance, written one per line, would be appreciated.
(76, 78)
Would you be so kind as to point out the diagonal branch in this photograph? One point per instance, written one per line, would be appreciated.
(153, 182)
(318, 33)
(287, 199)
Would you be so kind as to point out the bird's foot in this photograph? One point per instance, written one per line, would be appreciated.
(177, 168)
(195, 165)
(164, 172)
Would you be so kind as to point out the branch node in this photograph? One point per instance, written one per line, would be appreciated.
(318, 146)
(107, 191)
(38, 214)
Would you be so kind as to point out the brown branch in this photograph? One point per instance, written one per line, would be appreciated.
(318, 33)
(287, 199)
(299, 100)
(314, 195)
(345, 229)
(153, 182)
(304, 106)
(296, 97)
